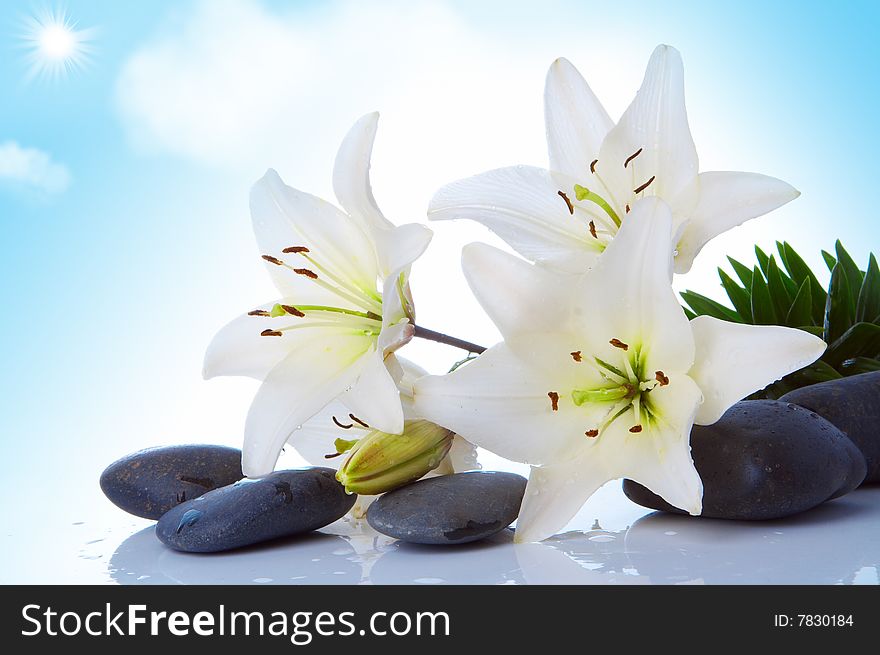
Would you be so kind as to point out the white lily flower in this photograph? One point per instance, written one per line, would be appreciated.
(601, 377)
(565, 217)
(345, 306)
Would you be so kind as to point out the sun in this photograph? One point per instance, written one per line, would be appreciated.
(56, 48)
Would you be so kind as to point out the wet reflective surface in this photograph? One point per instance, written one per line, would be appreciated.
(836, 543)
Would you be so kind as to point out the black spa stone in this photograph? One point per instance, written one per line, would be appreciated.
(853, 405)
(150, 482)
(766, 459)
(449, 509)
(282, 504)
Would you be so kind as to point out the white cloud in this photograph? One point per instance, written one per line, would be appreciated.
(32, 168)
(234, 84)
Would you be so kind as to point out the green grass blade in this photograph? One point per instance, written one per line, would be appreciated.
(763, 311)
(743, 272)
(763, 259)
(838, 306)
(830, 260)
(853, 275)
(868, 304)
(703, 306)
(799, 271)
(778, 291)
(801, 310)
(740, 298)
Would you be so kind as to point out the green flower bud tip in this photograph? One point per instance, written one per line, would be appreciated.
(381, 462)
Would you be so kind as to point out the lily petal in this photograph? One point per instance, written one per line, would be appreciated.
(318, 371)
(631, 283)
(374, 398)
(659, 457)
(554, 495)
(351, 175)
(728, 199)
(517, 296)
(400, 247)
(734, 360)
(575, 119)
(522, 205)
(500, 390)
(656, 124)
(284, 217)
(238, 348)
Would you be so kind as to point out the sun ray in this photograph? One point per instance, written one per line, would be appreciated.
(55, 46)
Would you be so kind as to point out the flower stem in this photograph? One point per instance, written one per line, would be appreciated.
(439, 337)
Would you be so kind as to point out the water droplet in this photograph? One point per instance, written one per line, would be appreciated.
(190, 517)
(670, 533)
(262, 580)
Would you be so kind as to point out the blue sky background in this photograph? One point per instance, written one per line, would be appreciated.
(113, 287)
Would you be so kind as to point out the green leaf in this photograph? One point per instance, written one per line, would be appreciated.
(780, 248)
(861, 340)
(778, 292)
(830, 260)
(708, 307)
(858, 365)
(739, 297)
(763, 312)
(815, 330)
(801, 310)
(763, 259)
(838, 306)
(799, 271)
(811, 374)
(853, 274)
(690, 315)
(743, 272)
(868, 304)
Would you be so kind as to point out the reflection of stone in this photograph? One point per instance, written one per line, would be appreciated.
(575, 558)
(490, 561)
(827, 545)
(314, 558)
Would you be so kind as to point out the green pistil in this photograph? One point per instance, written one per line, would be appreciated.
(583, 193)
(278, 310)
(603, 395)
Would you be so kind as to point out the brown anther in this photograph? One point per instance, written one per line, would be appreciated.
(645, 185)
(661, 378)
(306, 272)
(568, 204)
(593, 165)
(617, 343)
(554, 400)
(332, 455)
(296, 249)
(592, 433)
(259, 312)
(627, 209)
(273, 260)
(344, 427)
(631, 157)
(636, 429)
(576, 356)
(292, 310)
(270, 333)
(357, 420)
(593, 230)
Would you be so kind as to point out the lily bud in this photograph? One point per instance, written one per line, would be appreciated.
(381, 462)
